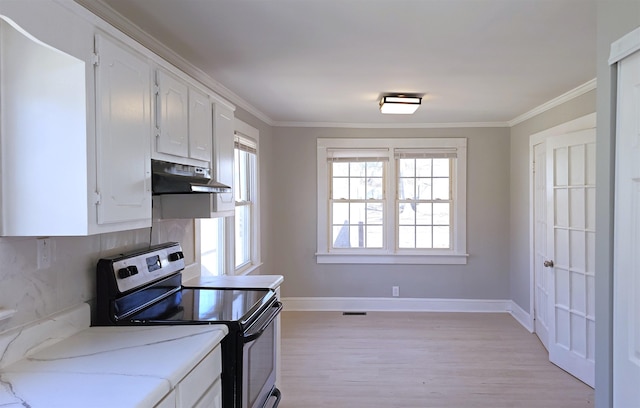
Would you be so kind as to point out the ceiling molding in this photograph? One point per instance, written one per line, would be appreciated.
(392, 125)
(566, 97)
(125, 25)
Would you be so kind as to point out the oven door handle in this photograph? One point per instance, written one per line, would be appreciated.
(275, 393)
(250, 336)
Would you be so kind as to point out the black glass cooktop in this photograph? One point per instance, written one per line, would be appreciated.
(205, 305)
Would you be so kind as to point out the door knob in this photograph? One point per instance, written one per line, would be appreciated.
(548, 264)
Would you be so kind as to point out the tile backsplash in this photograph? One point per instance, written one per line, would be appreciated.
(70, 280)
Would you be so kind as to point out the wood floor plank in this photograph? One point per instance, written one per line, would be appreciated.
(419, 360)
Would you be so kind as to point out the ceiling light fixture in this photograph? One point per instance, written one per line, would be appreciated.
(399, 104)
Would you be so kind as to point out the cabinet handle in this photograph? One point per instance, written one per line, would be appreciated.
(548, 264)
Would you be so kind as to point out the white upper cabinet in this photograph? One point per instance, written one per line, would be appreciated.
(172, 119)
(183, 121)
(74, 137)
(123, 110)
(199, 125)
(223, 138)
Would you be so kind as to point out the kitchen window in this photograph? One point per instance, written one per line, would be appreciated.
(245, 190)
(392, 201)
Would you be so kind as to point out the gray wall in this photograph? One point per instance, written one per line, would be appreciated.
(293, 183)
(519, 234)
(615, 18)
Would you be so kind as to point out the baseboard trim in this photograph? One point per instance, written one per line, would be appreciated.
(327, 304)
(344, 304)
(521, 316)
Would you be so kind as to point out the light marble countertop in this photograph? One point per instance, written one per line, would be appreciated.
(243, 281)
(106, 366)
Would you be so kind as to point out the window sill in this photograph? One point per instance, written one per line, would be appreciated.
(248, 269)
(399, 259)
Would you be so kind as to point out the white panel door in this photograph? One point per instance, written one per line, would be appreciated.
(542, 275)
(626, 303)
(571, 246)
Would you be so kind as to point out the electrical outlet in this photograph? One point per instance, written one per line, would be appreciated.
(44, 253)
(395, 290)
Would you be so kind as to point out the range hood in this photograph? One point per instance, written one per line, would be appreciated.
(175, 178)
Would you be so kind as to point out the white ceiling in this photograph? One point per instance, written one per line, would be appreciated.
(329, 61)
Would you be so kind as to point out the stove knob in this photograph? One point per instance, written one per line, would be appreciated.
(133, 270)
(124, 273)
(175, 256)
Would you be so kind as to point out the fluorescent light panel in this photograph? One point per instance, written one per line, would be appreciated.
(403, 105)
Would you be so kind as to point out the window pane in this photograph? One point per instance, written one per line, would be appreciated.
(423, 188)
(374, 188)
(407, 188)
(356, 233)
(407, 214)
(357, 169)
(441, 214)
(424, 214)
(340, 169)
(423, 237)
(243, 235)
(441, 189)
(340, 190)
(440, 167)
(374, 237)
(340, 237)
(407, 168)
(441, 237)
(357, 213)
(340, 213)
(374, 213)
(374, 169)
(423, 167)
(406, 237)
(357, 188)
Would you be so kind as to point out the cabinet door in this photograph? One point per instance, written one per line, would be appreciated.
(223, 135)
(200, 122)
(172, 116)
(123, 129)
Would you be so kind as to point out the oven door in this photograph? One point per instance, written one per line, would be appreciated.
(259, 361)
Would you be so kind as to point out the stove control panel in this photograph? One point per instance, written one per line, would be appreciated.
(136, 269)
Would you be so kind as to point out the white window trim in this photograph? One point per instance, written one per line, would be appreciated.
(457, 255)
(250, 132)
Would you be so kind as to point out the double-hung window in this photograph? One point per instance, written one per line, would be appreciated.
(392, 201)
(245, 190)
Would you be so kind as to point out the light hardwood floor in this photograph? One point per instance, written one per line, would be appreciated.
(421, 360)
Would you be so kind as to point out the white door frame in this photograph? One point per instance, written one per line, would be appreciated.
(581, 123)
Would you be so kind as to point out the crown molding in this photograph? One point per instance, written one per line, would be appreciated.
(566, 97)
(105, 12)
(392, 125)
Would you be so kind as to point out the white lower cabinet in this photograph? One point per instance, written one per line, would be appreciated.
(213, 397)
(201, 387)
